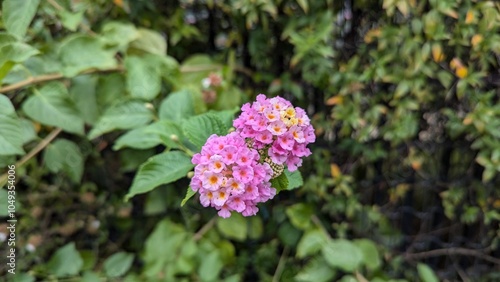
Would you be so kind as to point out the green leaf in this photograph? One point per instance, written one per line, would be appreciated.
(11, 138)
(119, 34)
(110, 88)
(304, 4)
(66, 261)
(71, 20)
(300, 215)
(234, 227)
(150, 41)
(52, 105)
(162, 247)
(426, 273)
(160, 169)
(124, 115)
(343, 254)
(198, 128)
(82, 52)
(294, 179)
(150, 136)
(83, 91)
(189, 193)
(17, 15)
(12, 53)
(64, 155)
(280, 182)
(118, 264)
(211, 267)
(316, 270)
(28, 131)
(311, 243)
(371, 257)
(143, 77)
(177, 106)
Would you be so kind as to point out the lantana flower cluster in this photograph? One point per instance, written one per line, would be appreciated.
(277, 129)
(233, 172)
(229, 176)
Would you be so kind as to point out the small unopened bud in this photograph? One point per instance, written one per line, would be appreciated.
(150, 106)
(190, 174)
(174, 138)
(231, 130)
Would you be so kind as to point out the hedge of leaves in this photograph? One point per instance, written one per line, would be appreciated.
(103, 103)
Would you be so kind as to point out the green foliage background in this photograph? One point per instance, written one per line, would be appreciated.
(103, 102)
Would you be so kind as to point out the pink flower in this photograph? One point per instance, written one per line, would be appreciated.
(237, 204)
(229, 176)
(244, 174)
(211, 180)
(277, 128)
(216, 164)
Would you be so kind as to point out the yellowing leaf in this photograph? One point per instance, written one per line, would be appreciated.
(467, 120)
(335, 170)
(476, 39)
(371, 35)
(437, 53)
(335, 100)
(470, 17)
(461, 72)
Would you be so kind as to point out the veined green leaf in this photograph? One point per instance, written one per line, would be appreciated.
(160, 169)
(52, 105)
(198, 128)
(17, 15)
(124, 115)
(11, 138)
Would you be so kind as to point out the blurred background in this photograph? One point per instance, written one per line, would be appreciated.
(402, 185)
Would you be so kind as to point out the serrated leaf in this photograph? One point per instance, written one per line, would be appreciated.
(52, 105)
(82, 52)
(11, 138)
(189, 194)
(64, 155)
(294, 179)
(343, 254)
(83, 92)
(311, 243)
(160, 169)
(119, 34)
(177, 106)
(66, 261)
(124, 115)
(12, 53)
(300, 215)
(371, 257)
(234, 227)
(143, 77)
(150, 41)
(316, 270)
(118, 264)
(198, 128)
(70, 20)
(280, 182)
(17, 15)
(150, 136)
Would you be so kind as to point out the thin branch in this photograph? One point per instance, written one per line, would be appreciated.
(40, 146)
(281, 265)
(50, 77)
(451, 252)
(204, 229)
